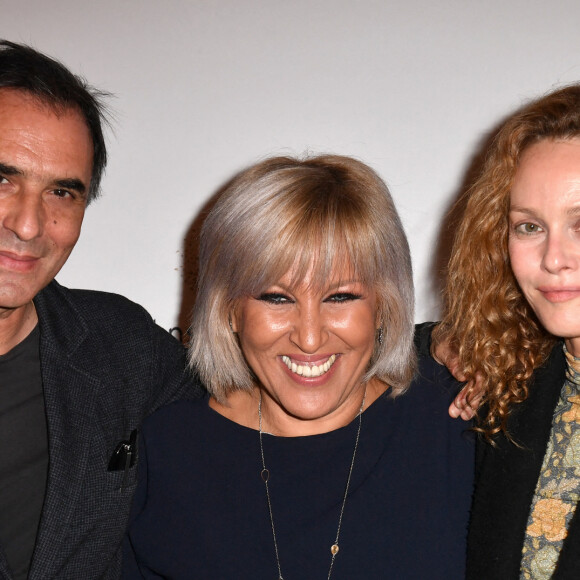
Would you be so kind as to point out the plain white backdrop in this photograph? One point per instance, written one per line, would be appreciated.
(203, 88)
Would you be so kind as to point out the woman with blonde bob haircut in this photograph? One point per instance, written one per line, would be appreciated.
(285, 214)
(315, 454)
(513, 316)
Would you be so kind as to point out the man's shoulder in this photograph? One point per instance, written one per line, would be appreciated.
(71, 318)
(91, 305)
(107, 333)
(89, 298)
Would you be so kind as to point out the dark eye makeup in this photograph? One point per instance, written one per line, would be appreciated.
(343, 297)
(274, 298)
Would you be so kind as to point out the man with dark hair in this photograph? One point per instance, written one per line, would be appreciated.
(79, 370)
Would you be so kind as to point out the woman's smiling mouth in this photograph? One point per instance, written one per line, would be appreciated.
(306, 370)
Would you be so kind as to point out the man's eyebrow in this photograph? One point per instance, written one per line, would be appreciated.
(66, 183)
(72, 183)
(9, 169)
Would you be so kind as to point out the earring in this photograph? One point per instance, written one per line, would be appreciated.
(230, 323)
(380, 335)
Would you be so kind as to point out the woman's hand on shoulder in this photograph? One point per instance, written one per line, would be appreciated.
(461, 407)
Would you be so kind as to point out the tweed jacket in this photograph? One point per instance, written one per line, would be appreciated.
(506, 479)
(105, 366)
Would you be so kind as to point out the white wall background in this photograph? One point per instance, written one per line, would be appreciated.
(204, 88)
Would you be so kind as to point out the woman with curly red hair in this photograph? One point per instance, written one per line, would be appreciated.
(512, 313)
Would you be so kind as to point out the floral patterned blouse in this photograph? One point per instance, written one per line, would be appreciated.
(558, 487)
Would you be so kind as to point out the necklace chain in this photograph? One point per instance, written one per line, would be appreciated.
(265, 475)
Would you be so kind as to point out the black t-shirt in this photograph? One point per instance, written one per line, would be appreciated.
(23, 452)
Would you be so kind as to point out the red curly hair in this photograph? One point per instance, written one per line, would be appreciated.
(487, 320)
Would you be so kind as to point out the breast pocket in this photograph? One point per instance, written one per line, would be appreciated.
(123, 461)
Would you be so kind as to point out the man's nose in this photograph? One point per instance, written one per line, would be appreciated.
(24, 215)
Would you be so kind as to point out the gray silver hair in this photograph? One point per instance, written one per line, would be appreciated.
(309, 215)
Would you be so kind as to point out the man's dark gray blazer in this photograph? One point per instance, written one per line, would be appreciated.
(105, 366)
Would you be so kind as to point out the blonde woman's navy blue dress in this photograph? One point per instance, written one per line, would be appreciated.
(200, 510)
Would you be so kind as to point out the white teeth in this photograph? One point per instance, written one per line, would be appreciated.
(309, 371)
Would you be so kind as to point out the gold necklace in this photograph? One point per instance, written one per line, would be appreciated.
(265, 475)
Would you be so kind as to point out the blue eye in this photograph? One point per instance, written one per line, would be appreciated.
(274, 298)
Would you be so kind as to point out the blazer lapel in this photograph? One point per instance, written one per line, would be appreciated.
(507, 479)
(69, 393)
